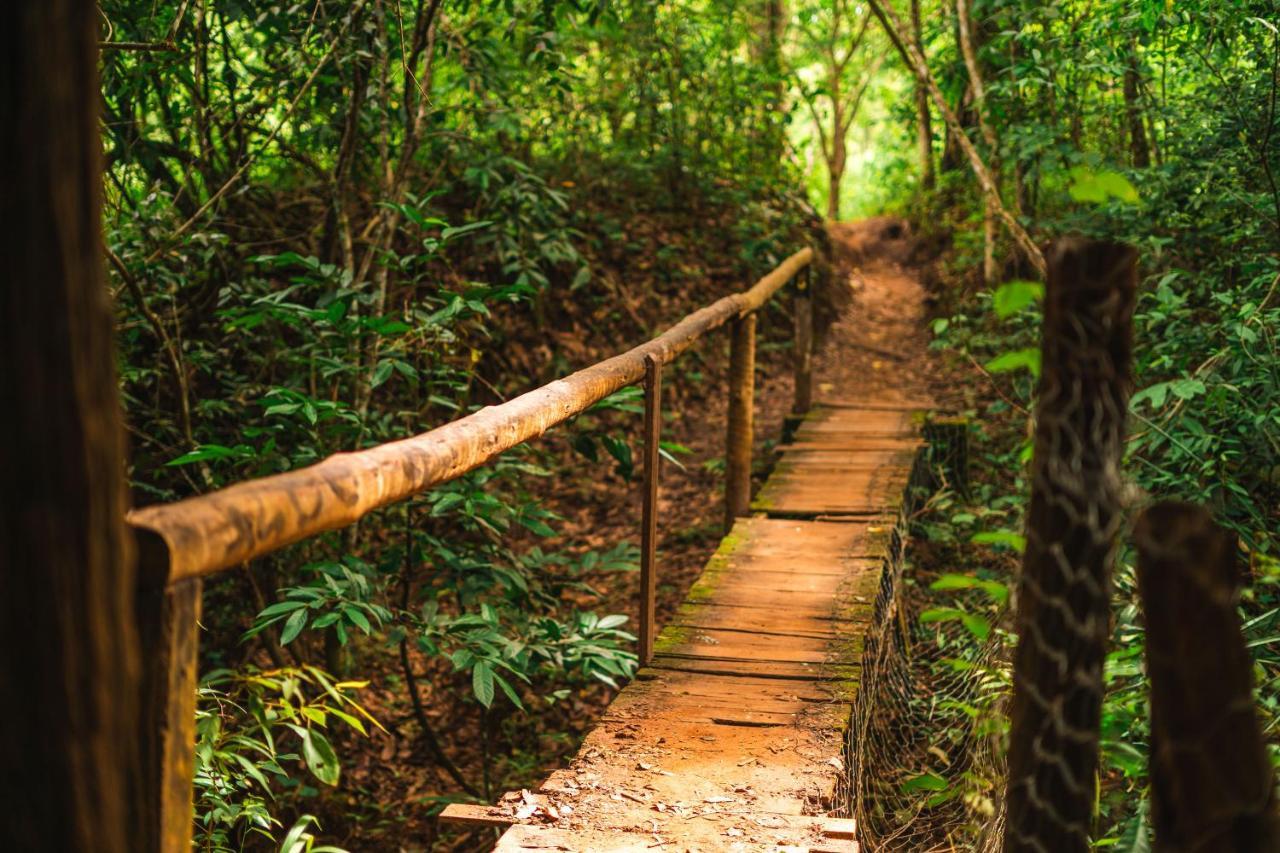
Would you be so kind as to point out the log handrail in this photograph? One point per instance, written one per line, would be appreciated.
(216, 531)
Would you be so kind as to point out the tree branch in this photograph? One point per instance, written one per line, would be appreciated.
(917, 64)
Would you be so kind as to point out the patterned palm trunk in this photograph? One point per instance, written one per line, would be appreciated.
(1063, 615)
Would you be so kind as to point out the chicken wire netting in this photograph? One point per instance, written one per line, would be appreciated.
(927, 773)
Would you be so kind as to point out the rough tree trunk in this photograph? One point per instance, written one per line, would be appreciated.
(1063, 617)
(70, 666)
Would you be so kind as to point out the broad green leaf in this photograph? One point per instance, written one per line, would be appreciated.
(507, 689)
(357, 617)
(1012, 297)
(293, 627)
(281, 607)
(482, 682)
(320, 757)
(206, 452)
(450, 233)
(1100, 186)
(976, 625)
(1005, 538)
(924, 782)
(996, 590)
(1022, 359)
(381, 373)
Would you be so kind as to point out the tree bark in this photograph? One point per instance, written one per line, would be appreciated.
(67, 739)
(964, 25)
(1139, 150)
(924, 121)
(839, 151)
(1063, 617)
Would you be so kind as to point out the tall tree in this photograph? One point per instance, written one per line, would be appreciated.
(836, 37)
(66, 568)
(978, 89)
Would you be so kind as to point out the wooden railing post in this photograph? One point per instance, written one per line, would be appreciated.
(803, 354)
(1064, 609)
(168, 627)
(649, 517)
(737, 460)
(1212, 787)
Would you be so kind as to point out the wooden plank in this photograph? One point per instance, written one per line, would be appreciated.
(466, 814)
(755, 668)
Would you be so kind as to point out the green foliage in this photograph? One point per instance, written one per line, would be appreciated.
(1194, 194)
(339, 226)
(250, 725)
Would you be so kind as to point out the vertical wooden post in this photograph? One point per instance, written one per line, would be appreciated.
(1211, 782)
(649, 517)
(803, 353)
(737, 458)
(168, 629)
(69, 668)
(1064, 605)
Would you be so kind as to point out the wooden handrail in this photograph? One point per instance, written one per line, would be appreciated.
(219, 530)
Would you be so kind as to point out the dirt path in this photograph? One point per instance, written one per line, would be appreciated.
(879, 346)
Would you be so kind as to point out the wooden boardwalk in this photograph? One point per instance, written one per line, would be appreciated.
(735, 737)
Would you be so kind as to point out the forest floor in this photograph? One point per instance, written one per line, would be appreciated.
(877, 348)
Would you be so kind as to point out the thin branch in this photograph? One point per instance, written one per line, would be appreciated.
(169, 43)
(244, 167)
(916, 62)
(164, 339)
(410, 678)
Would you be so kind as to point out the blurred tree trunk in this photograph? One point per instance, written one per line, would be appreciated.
(771, 55)
(1212, 784)
(1139, 150)
(839, 153)
(71, 664)
(924, 120)
(977, 87)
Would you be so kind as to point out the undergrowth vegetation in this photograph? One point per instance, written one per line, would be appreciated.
(1156, 126)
